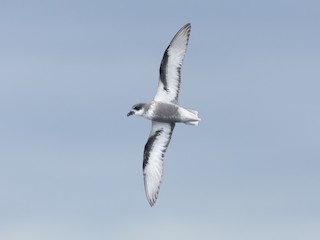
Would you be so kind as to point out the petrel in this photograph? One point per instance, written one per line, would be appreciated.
(164, 112)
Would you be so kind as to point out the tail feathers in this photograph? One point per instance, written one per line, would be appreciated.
(196, 119)
(193, 111)
(193, 123)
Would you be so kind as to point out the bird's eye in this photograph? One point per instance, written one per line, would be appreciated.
(136, 108)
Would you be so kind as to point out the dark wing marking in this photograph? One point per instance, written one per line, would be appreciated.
(170, 68)
(154, 151)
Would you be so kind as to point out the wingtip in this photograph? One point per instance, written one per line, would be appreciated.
(151, 203)
(153, 200)
(187, 27)
(151, 195)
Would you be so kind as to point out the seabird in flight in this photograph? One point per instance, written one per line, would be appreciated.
(164, 112)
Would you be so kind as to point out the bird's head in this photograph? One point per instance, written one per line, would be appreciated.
(137, 109)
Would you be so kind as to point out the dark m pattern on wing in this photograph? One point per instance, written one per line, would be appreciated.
(163, 70)
(149, 145)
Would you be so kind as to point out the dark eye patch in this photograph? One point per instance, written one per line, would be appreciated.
(138, 106)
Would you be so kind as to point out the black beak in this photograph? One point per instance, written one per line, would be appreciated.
(130, 113)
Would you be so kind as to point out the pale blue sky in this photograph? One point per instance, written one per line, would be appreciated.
(71, 161)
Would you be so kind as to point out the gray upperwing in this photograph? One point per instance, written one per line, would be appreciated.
(154, 151)
(170, 68)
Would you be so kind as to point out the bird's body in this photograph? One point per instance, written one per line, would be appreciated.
(168, 113)
(164, 112)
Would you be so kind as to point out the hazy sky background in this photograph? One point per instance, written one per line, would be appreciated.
(71, 161)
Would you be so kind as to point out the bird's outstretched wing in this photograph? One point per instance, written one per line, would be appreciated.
(170, 68)
(154, 151)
